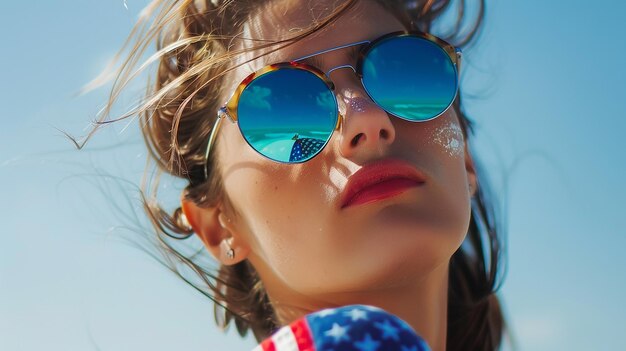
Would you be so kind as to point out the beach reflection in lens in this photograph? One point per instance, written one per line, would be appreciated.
(410, 77)
(287, 115)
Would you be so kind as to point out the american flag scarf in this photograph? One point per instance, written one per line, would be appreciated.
(347, 328)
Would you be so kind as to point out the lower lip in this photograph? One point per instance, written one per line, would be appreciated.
(382, 191)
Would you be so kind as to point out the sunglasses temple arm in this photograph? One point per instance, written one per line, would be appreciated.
(459, 57)
(220, 114)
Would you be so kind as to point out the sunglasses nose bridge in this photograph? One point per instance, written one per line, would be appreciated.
(340, 102)
(340, 67)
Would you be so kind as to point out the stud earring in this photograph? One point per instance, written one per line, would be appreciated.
(230, 253)
(184, 222)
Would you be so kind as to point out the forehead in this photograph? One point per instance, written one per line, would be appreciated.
(282, 19)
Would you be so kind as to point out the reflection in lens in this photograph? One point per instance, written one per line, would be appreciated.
(410, 77)
(287, 115)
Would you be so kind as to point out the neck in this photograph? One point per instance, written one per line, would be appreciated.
(423, 305)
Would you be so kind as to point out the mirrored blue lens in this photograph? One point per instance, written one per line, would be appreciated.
(410, 77)
(287, 115)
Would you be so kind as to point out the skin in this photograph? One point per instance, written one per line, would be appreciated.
(310, 253)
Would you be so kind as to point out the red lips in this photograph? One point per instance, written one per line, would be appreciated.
(379, 180)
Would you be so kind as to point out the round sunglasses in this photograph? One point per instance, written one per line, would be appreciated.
(288, 111)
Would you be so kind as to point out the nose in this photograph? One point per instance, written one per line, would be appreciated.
(367, 131)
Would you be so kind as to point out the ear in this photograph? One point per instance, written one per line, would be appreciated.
(471, 171)
(216, 230)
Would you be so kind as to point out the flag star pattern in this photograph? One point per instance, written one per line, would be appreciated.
(304, 148)
(388, 330)
(338, 332)
(355, 314)
(325, 312)
(347, 328)
(367, 344)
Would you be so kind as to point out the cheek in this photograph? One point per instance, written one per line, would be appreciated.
(289, 223)
(446, 142)
(252, 183)
(286, 209)
(447, 137)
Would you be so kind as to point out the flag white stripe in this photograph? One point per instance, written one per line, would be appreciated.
(284, 340)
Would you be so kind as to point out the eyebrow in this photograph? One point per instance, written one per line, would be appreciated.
(352, 54)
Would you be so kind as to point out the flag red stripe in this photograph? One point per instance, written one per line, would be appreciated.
(302, 333)
(268, 345)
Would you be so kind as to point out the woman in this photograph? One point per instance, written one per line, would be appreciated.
(373, 209)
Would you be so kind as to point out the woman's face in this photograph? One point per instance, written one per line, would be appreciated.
(291, 225)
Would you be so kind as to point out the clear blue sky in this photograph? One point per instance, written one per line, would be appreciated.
(545, 85)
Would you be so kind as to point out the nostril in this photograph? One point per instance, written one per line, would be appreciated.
(384, 134)
(355, 140)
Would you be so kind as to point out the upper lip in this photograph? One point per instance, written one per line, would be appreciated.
(376, 172)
